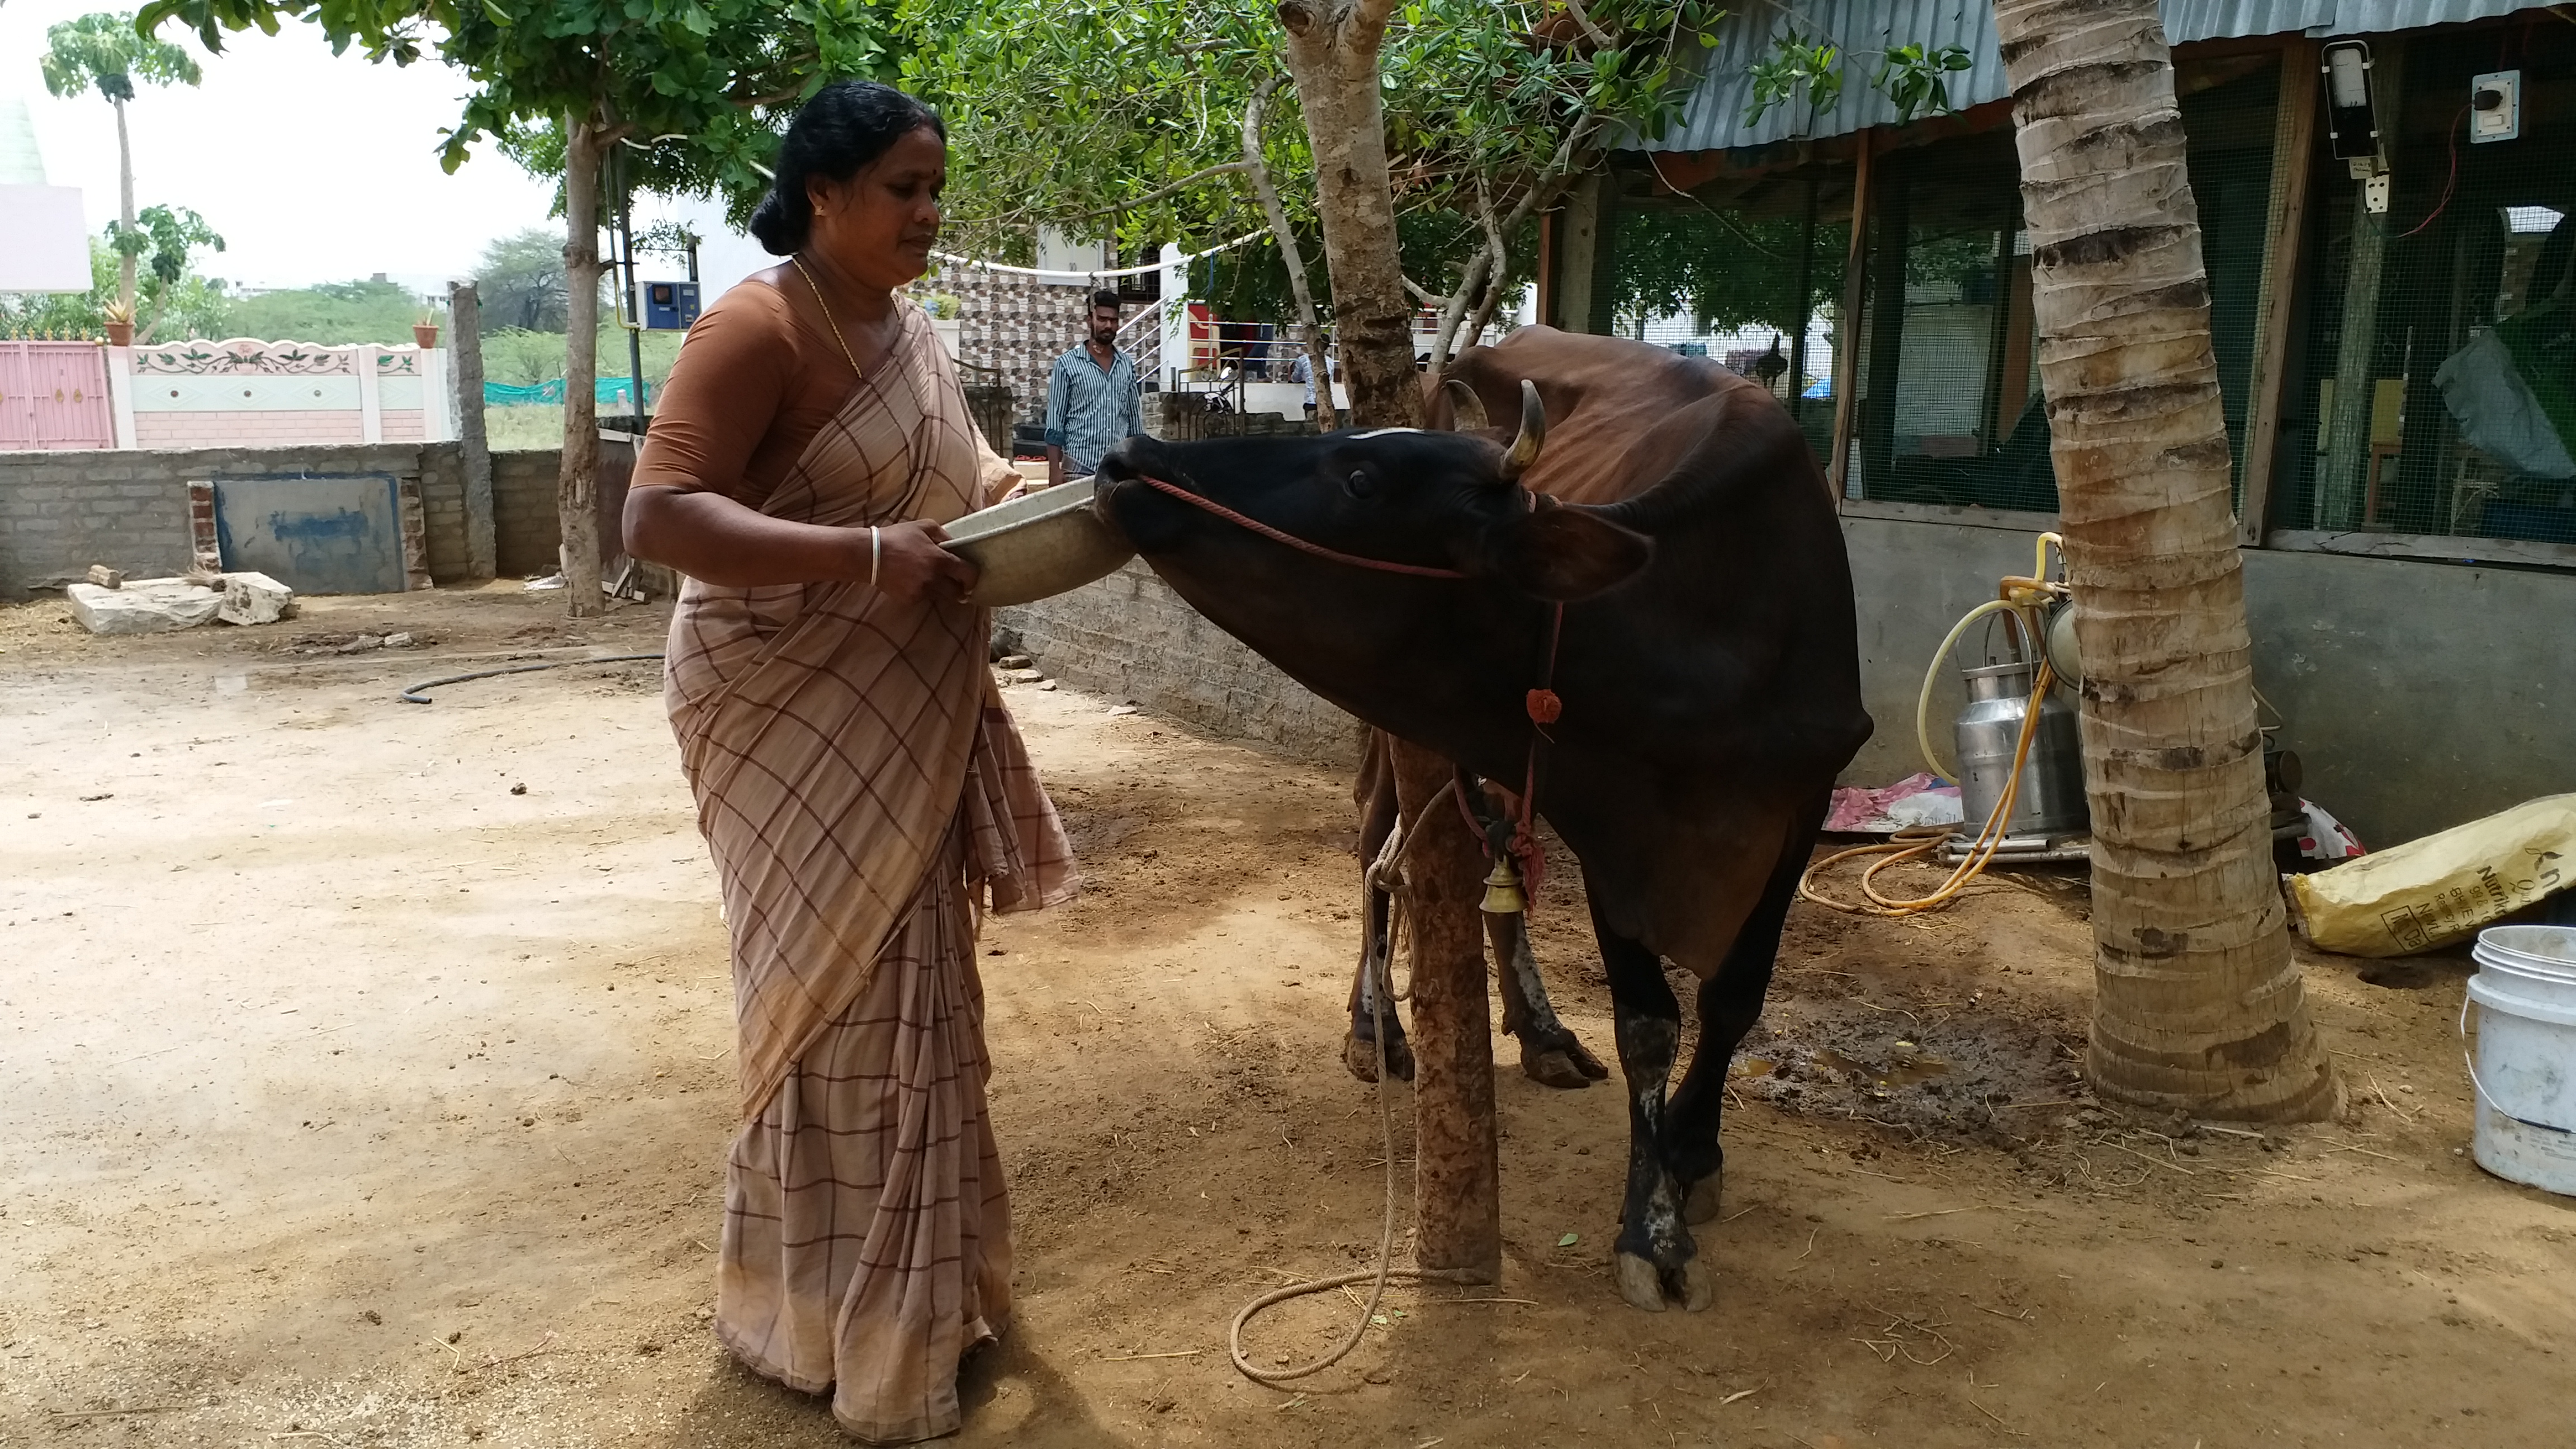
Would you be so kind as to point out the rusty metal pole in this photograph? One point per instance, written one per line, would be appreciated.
(1457, 1200)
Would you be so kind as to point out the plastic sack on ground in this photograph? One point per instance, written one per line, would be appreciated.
(2442, 888)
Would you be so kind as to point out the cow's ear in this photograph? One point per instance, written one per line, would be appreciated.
(1565, 553)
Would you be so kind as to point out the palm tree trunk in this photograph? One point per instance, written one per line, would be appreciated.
(125, 211)
(577, 486)
(2198, 1005)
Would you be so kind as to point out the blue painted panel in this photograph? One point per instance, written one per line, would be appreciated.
(329, 535)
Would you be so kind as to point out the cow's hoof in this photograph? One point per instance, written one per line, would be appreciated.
(1361, 1058)
(1699, 1285)
(1701, 1205)
(1552, 1068)
(1640, 1283)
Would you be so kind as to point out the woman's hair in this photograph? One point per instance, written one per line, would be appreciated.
(847, 125)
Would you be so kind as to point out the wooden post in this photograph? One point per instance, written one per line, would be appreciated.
(2338, 490)
(1456, 1176)
(2285, 229)
(1847, 323)
(465, 351)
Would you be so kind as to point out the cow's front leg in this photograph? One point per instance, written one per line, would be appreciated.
(1654, 1257)
(1551, 1054)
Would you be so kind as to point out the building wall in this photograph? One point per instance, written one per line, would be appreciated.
(61, 512)
(1129, 637)
(2417, 695)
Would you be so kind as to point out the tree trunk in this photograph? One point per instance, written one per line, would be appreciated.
(1256, 169)
(577, 486)
(2198, 1004)
(124, 212)
(1456, 1171)
(1333, 56)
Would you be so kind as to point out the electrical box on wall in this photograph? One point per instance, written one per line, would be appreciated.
(670, 306)
(2495, 106)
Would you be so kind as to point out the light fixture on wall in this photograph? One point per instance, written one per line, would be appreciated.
(2352, 120)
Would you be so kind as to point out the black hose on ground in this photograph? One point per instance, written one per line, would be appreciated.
(412, 693)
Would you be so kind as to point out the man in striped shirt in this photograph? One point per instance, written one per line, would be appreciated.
(1093, 398)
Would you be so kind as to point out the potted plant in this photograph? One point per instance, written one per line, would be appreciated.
(120, 323)
(424, 333)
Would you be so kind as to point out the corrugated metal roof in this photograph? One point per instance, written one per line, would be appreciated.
(1713, 118)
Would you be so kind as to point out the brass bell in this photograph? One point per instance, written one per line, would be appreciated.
(1503, 890)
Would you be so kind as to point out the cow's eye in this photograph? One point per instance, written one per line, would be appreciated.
(1359, 484)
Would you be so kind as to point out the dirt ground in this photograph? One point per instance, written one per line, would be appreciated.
(351, 1096)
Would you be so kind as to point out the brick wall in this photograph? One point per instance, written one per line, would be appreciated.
(129, 508)
(528, 533)
(1129, 637)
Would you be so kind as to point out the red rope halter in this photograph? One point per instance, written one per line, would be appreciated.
(1423, 571)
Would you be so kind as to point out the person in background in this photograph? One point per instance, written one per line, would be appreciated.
(1093, 398)
(1303, 370)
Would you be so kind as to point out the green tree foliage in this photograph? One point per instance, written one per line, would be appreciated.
(171, 307)
(104, 52)
(521, 281)
(107, 53)
(1119, 116)
(333, 314)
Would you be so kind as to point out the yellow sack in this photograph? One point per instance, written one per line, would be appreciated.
(2441, 888)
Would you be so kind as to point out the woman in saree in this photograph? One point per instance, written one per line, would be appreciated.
(861, 788)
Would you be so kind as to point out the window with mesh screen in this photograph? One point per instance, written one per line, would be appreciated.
(1947, 389)
(1746, 271)
(2436, 390)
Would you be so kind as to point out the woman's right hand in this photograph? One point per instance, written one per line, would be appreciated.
(910, 564)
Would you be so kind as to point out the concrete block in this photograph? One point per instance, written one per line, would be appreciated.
(143, 606)
(255, 598)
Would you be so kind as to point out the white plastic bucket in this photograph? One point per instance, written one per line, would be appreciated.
(2525, 1069)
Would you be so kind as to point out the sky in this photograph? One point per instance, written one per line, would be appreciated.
(312, 167)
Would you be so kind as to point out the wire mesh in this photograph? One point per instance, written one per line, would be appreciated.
(2446, 324)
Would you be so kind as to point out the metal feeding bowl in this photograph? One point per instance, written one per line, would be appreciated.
(1036, 545)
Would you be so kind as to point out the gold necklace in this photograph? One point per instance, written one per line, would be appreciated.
(828, 318)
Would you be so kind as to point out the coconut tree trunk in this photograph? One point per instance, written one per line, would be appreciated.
(1256, 170)
(577, 486)
(1332, 53)
(124, 211)
(2198, 1002)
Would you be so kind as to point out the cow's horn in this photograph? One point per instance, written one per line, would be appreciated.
(1533, 434)
(1467, 408)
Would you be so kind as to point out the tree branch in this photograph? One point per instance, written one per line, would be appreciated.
(1599, 36)
(1256, 170)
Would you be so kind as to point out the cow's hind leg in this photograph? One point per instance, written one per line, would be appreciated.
(1729, 1003)
(1375, 795)
(1654, 1252)
(1551, 1054)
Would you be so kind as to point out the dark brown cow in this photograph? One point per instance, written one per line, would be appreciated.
(1708, 667)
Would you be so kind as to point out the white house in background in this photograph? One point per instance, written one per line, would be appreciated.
(44, 239)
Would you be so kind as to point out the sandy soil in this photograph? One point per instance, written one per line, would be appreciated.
(349, 1096)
